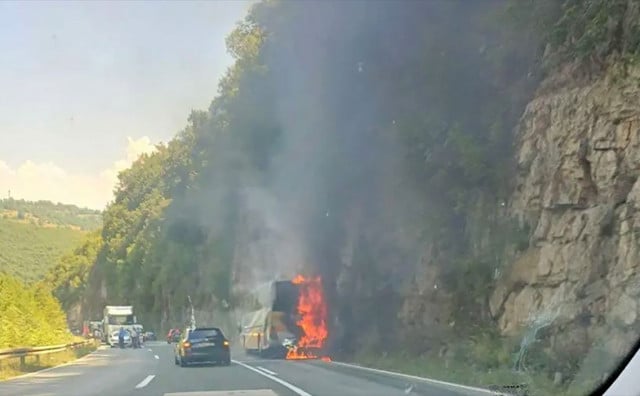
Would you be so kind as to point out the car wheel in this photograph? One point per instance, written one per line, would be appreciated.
(175, 361)
(183, 363)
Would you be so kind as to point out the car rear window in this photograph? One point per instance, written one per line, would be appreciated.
(205, 333)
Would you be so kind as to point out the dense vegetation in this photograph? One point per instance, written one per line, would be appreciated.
(46, 213)
(36, 239)
(29, 315)
(69, 276)
(29, 251)
(590, 31)
(369, 143)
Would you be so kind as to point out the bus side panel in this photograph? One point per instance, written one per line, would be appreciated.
(251, 339)
(252, 334)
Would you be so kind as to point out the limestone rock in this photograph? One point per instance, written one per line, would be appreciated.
(578, 164)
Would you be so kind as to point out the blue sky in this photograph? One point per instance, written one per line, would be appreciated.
(87, 86)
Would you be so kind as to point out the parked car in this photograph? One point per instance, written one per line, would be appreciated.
(203, 345)
(114, 341)
(150, 336)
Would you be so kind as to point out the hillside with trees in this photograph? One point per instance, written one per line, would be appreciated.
(35, 235)
(47, 213)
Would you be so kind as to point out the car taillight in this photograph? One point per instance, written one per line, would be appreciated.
(186, 344)
(225, 343)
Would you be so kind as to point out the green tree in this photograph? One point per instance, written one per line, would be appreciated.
(29, 315)
(70, 275)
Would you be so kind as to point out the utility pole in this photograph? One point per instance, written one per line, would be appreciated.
(193, 315)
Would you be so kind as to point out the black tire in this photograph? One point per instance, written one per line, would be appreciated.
(183, 363)
(175, 361)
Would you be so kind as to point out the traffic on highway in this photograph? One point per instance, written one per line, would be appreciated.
(152, 372)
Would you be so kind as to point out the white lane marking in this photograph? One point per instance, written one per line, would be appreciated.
(276, 379)
(145, 381)
(266, 371)
(156, 356)
(423, 379)
(251, 392)
(150, 350)
(256, 361)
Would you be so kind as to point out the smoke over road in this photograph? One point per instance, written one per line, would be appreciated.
(339, 198)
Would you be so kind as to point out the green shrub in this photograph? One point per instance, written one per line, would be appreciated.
(29, 315)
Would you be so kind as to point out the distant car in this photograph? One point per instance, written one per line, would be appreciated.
(203, 345)
(114, 342)
(150, 336)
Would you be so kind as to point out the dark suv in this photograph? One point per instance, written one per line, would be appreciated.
(203, 345)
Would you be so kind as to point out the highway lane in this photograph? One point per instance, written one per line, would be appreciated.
(151, 372)
(106, 372)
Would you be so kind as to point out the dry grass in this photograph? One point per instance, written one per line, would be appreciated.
(465, 373)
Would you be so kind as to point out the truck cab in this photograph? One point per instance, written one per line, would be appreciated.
(116, 317)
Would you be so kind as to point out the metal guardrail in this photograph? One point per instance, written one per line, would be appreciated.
(23, 353)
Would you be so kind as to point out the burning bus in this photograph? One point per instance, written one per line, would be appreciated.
(290, 321)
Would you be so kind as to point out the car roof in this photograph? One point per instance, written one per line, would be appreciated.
(206, 328)
(203, 329)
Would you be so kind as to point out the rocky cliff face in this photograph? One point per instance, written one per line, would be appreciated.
(577, 188)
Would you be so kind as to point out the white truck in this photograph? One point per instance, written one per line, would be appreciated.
(116, 317)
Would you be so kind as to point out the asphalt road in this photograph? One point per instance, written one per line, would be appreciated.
(151, 371)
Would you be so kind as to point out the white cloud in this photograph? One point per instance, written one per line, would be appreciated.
(135, 148)
(46, 180)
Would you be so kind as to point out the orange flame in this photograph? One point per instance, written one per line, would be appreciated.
(312, 309)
